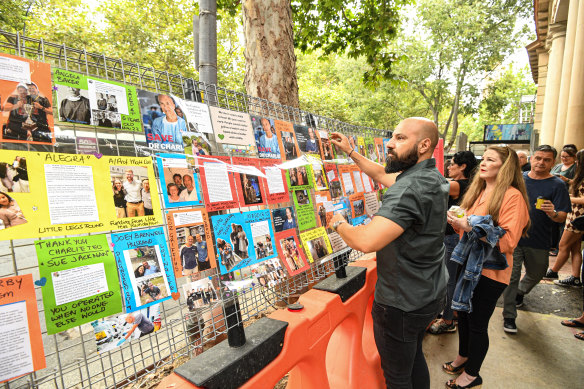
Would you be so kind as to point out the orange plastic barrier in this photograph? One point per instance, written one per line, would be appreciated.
(328, 344)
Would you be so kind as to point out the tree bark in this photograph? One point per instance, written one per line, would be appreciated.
(270, 62)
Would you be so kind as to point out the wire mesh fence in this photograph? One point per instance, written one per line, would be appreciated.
(73, 360)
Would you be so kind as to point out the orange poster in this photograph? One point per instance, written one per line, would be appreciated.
(26, 101)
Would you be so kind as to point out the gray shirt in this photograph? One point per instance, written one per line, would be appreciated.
(411, 271)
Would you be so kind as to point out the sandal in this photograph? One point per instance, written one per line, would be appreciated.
(477, 383)
(572, 323)
(453, 370)
(579, 335)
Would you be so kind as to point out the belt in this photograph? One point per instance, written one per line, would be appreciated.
(135, 202)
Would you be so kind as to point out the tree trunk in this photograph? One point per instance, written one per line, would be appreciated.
(270, 62)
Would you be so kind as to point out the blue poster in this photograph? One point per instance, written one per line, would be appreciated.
(145, 267)
(180, 184)
(243, 239)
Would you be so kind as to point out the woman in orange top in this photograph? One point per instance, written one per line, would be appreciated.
(497, 190)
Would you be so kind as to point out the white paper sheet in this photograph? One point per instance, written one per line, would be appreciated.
(275, 180)
(14, 341)
(79, 282)
(217, 181)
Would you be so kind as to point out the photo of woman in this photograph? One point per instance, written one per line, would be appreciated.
(10, 213)
(173, 193)
(119, 198)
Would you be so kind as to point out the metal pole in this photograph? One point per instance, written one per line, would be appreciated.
(208, 41)
(196, 39)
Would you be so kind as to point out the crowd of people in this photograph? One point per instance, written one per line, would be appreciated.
(447, 250)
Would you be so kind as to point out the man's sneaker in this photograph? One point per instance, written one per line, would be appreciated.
(569, 281)
(440, 326)
(509, 326)
(519, 300)
(551, 275)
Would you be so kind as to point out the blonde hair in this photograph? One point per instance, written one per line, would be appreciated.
(509, 175)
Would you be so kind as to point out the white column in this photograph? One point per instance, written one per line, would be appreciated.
(557, 36)
(575, 119)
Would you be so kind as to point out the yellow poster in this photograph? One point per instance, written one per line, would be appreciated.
(50, 194)
(316, 244)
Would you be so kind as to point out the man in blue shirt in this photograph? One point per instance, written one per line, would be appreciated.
(202, 259)
(167, 130)
(188, 256)
(148, 270)
(533, 250)
(268, 141)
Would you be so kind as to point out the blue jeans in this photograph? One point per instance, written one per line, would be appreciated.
(450, 242)
(398, 336)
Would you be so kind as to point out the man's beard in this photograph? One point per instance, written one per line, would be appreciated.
(400, 164)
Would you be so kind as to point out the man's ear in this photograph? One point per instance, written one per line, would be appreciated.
(424, 146)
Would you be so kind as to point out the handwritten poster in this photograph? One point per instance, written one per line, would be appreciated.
(57, 199)
(304, 209)
(190, 241)
(275, 182)
(218, 181)
(21, 342)
(316, 244)
(371, 203)
(231, 127)
(26, 99)
(290, 252)
(243, 239)
(145, 268)
(82, 284)
(93, 101)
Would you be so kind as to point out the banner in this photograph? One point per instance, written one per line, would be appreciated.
(26, 99)
(66, 194)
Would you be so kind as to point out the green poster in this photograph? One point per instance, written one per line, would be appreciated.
(79, 280)
(299, 177)
(94, 101)
(304, 209)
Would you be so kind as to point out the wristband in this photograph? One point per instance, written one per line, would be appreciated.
(349, 156)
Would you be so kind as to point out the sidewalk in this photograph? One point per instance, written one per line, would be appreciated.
(543, 354)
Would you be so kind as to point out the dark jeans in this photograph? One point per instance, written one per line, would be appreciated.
(473, 336)
(398, 336)
(450, 242)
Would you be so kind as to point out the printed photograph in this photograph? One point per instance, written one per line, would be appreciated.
(269, 273)
(289, 144)
(106, 102)
(193, 249)
(359, 207)
(326, 149)
(263, 246)
(302, 197)
(131, 191)
(335, 189)
(163, 119)
(320, 181)
(317, 248)
(10, 213)
(307, 139)
(199, 294)
(291, 253)
(265, 137)
(148, 279)
(196, 143)
(114, 331)
(106, 119)
(298, 176)
(250, 186)
(227, 255)
(284, 219)
(14, 176)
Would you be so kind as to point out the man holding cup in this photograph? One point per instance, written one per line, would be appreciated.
(550, 203)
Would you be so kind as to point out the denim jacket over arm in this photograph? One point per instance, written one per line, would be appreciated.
(475, 254)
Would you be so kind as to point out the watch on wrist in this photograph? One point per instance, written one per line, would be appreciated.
(555, 214)
(337, 224)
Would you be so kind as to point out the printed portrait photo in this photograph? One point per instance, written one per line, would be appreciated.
(302, 197)
(14, 176)
(291, 253)
(250, 186)
(10, 213)
(284, 219)
(318, 248)
(131, 191)
(147, 275)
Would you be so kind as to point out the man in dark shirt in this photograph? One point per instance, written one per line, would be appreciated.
(41, 107)
(152, 290)
(202, 253)
(533, 250)
(407, 233)
(16, 105)
(525, 165)
(188, 256)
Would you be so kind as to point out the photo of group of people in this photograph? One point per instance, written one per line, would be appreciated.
(262, 243)
(200, 294)
(298, 176)
(148, 277)
(193, 249)
(106, 119)
(358, 208)
(131, 191)
(179, 184)
(269, 273)
(284, 219)
(114, 331)
(250, 187)
(265, 137)
(292, 254)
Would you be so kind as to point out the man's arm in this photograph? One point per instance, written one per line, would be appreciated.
(370, 237)
(373, 169)
(550, 210)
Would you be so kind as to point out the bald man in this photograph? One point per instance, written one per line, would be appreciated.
(525, 165)
(407, 233)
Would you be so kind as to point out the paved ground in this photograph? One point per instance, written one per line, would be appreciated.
(543, 354)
